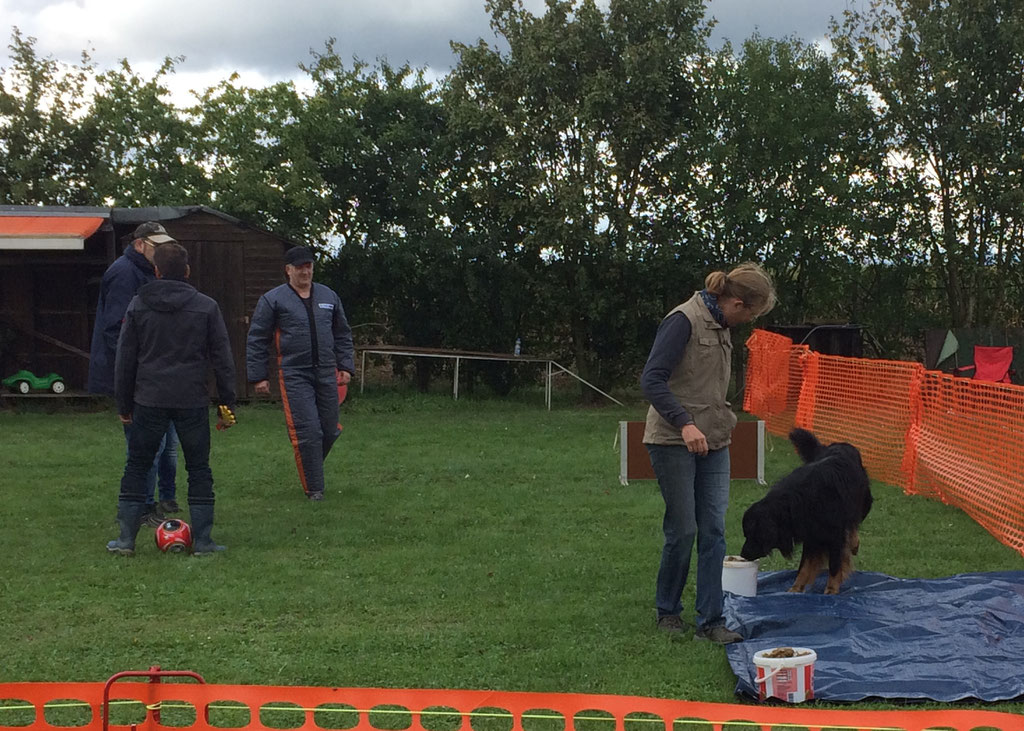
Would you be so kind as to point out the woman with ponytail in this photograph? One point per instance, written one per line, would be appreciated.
(689, 427)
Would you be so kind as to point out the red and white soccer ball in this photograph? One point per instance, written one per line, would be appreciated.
(173, 536)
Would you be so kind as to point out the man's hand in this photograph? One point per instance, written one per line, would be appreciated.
(225, 418)
(695, 440)
(262, 387)
(344, 377)
(125, 418)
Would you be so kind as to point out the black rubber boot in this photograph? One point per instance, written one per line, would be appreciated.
(129, 516)
(202, 524)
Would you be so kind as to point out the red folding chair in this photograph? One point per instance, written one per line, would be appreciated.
(991, 363)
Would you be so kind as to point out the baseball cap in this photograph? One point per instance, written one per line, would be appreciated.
(297, 255)
(153, 231)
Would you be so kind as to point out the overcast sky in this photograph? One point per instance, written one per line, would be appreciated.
(265, 40)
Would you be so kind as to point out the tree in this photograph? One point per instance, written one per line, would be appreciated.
(377, 138)
(566, 134)
(146, 153)
(44, 153)
(255, 147)
(949, 80)
(793, 172)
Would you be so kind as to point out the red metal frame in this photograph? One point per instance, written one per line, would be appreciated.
(154, 674)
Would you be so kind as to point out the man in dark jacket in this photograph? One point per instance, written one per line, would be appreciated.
(121, 281)
(314, 356)
(171, 336)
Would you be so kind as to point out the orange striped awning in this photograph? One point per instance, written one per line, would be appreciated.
(47, 232)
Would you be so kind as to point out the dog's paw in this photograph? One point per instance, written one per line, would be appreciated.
(829, 589)
(797, 589)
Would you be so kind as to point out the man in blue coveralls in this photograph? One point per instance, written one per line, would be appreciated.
(306, 323)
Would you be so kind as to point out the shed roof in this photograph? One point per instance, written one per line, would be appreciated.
(167, 213)
(51, 211)
(46, 232)
(170, 213)
(130, 216)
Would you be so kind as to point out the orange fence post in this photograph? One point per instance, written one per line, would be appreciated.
(808, 391)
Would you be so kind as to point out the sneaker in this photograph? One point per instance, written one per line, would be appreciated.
(152, 517)
(719, 634)
(672, 624)
(315, 496)
(169, 506)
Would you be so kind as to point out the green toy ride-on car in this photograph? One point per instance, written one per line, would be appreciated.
(25, 381)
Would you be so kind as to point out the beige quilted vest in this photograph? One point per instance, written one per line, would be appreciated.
(700, 381)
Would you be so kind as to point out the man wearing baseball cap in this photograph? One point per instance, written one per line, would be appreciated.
(120, 282)
(314, 356)
(172, 337)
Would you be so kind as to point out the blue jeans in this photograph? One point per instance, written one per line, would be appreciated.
(165, 467)
(696, 494)
(148, 429)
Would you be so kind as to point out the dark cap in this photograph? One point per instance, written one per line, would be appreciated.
(298, 255)
(152, 231)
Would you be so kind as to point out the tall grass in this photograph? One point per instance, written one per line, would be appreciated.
(469, 544)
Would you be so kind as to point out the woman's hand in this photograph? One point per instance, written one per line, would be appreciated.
(695, 440)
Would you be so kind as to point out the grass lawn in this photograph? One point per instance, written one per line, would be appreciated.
(471, 544)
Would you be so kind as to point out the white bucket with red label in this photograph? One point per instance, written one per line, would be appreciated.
(786, 673)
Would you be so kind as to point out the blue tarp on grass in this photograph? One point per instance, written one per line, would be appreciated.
(948, 639)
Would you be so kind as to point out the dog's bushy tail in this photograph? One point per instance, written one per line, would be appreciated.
(807, 445)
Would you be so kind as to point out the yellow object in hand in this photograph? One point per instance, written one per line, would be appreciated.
(227, 417)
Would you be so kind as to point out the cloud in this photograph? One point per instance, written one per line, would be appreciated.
(805, 19)
(268, 38)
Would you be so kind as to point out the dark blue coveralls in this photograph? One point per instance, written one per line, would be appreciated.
(313, 341)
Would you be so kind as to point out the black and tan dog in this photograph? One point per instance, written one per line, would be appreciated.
(820, 504)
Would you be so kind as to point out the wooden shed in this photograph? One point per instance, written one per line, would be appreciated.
(52, 260)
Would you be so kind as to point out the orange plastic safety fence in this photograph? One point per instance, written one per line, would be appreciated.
(953, 439)
(778, 366)
(968, 451)
(868, 403)
(258, 708)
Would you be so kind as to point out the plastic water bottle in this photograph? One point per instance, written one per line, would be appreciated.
(518, 348)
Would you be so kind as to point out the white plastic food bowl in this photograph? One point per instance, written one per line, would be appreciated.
(739, 576)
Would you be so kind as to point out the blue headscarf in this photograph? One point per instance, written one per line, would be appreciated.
(711, 302)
